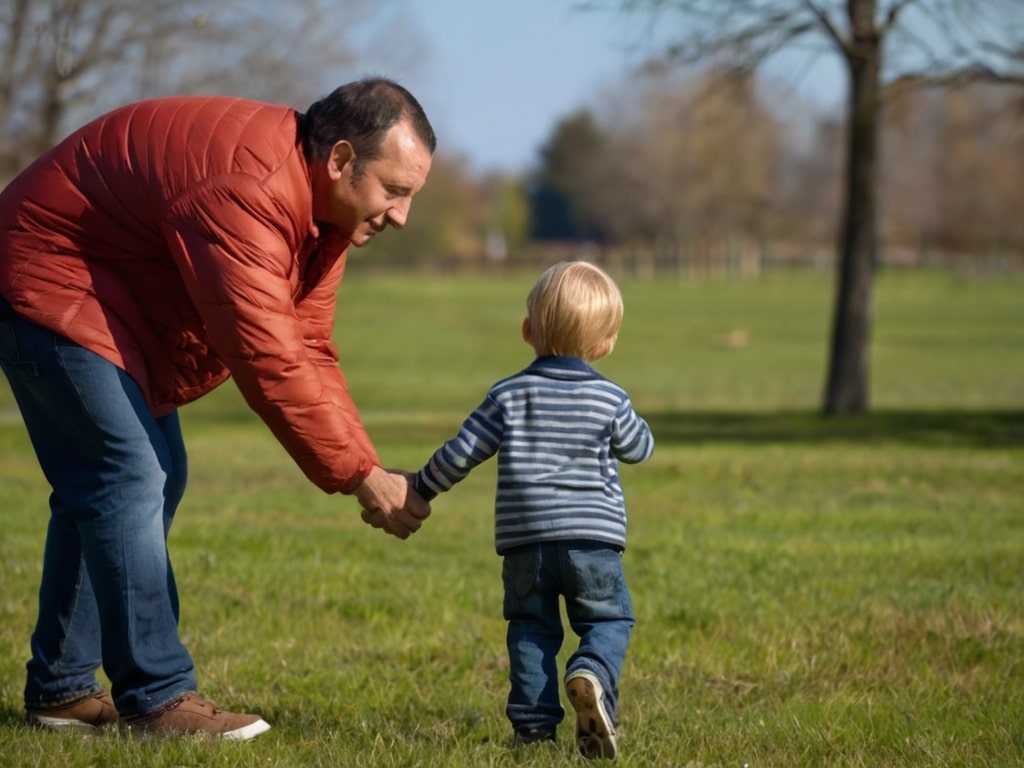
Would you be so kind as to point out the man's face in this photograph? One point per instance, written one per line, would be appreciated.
(361, 205)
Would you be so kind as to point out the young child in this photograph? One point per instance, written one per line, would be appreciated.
(558, 428)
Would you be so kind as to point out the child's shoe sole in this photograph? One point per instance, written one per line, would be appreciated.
(595, 733)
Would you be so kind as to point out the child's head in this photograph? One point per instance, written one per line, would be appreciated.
(575, 310)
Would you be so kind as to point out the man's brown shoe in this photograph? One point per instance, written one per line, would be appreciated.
(88, 714)
(189, 715)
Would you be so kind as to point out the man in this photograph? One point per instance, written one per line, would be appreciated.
(153, 253)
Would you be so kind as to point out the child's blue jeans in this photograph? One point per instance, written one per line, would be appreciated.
(589, 576)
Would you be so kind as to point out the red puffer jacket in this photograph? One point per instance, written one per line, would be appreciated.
(175, 238)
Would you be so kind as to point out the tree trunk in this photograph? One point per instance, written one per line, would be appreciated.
(847, 389)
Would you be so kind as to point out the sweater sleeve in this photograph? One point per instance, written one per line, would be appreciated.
(477, 440)
(631, 441)
(235, 248)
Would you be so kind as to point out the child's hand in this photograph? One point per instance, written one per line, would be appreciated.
(391, 503)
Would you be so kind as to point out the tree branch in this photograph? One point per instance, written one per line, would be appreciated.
(892, 16)
(830, 29)
(975, 73)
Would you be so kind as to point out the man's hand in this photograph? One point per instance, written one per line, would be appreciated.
(391, 503)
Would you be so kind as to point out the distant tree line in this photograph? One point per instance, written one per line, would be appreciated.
(710, 175)
(711, 172)
(720, 174)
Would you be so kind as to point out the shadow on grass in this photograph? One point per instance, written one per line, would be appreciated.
(967, 428)
(939, 428)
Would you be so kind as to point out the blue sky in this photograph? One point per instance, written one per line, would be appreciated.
(500, 73)
(496, 75)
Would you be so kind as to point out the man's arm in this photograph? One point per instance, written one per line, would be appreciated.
(236, 257)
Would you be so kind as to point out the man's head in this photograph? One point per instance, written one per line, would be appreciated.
(575, 310)
(370, 147)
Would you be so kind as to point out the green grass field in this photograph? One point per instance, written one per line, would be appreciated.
(809, 591)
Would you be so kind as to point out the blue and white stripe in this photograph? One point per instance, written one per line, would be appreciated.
(559, 429)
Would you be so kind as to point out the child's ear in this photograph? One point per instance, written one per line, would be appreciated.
(606, 348)
(526, 331)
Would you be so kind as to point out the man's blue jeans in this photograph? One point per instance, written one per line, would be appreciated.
(589, 576)
(107, 593)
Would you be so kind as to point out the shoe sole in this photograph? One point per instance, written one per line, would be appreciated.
(595, 734)
(247, 732)
(62, 724)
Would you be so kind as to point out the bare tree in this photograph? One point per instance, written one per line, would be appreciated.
(886, 46)
(64, 61)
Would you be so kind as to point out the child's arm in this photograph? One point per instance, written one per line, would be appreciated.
(631, 441)
(478, 440)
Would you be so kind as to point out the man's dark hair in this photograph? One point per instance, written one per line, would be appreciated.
(361, 113)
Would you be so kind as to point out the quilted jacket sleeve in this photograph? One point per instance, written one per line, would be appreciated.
(235, 246)
(316, 314)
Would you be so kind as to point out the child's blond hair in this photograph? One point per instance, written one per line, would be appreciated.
(575, 310)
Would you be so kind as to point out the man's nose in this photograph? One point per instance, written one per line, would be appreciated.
(398, 214)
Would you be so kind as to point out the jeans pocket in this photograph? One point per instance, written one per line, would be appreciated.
(598, 580)
(519, 572)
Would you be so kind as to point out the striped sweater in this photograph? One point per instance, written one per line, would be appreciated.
(559, 429)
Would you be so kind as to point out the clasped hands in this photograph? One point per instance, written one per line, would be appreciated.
(390, 502)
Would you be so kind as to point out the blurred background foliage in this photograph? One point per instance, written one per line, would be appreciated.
(696, 163)
(700, 170)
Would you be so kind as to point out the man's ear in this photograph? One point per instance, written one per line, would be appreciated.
(341, 155)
